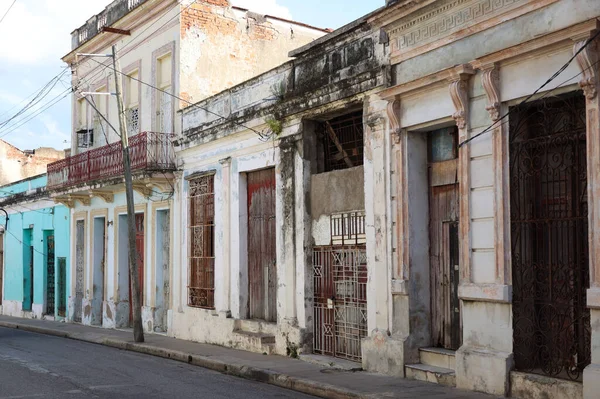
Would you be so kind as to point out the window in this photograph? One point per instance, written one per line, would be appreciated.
(201, 289)
(164, 111)
(132, 109)
(443, 144)
(85, 135)
(100, 126)
(341, 142)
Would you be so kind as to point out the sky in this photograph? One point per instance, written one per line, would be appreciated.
(31, 51)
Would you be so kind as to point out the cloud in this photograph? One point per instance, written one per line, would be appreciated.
(39, 30)
(267, 7)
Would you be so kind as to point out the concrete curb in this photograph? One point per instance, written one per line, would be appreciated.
(238, 370)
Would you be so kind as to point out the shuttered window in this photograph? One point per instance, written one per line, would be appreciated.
(201, 289)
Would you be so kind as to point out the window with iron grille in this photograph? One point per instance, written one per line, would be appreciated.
(133, 118)
(85, 138)
(201, 203)
(341, 141)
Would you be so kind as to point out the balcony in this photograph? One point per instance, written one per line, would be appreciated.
(111, 14)
(148, 152)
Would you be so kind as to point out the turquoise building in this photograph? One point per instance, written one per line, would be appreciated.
(34, 251)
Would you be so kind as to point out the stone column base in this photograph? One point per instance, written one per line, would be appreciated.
(122, 314)
(483, 370)
(86, 317)
(71, 309)
(385, 354)
(109, 312)
(591, 381)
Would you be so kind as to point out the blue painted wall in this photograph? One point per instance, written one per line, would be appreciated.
(32, 227)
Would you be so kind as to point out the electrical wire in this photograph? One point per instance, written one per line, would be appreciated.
(6, 13)
(554, 76)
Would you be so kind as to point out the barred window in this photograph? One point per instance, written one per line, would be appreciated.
(201, 203)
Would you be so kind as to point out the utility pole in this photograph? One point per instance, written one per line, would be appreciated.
(138, 331)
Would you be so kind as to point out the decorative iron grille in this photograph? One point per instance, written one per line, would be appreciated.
(85, 138)
(340, 300)
(79, 266)
(549, 233)
(62, 286)
(50, 287)
(348, 228)
(201, 202)
(133, 121)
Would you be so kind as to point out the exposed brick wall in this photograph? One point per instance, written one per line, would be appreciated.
(17, 165)
(222, 47)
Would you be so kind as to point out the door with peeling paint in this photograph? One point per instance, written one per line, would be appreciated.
(139, 250)
(262, 267)
(79, 267)
(444, 238)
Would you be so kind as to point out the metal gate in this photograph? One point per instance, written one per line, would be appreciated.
(549, 230)
(340, 300)
(79, 266)
(262, 268)
(50, 283)
(62, 286)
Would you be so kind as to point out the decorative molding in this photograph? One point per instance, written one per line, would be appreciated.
(490, 81)
(66, 201)
(107, 196)
(449, 17)
(393, 112)
(85, 200)
(587, 60)
(143, 189)
(460, 99)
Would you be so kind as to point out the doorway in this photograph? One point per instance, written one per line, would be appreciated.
(79, 268)
(549, 236)
(98, 271)
(444, 238)
(50, 274)
(27, 269)
(139, 254)
(162, 270)
(262, 266)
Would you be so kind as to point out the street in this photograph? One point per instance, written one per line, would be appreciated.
(41, 366)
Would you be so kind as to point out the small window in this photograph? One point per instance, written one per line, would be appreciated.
(443, 144)
(85, 138)
(342, 142)
(201, 205)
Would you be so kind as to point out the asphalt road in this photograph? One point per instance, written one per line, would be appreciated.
(41, 366)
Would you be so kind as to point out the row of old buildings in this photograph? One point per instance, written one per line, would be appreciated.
(414, 191)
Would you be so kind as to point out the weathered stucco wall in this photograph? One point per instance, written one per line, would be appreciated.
(337, 191)
(16, 164)
(222, 46)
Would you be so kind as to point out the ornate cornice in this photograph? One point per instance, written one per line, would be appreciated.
(587, 59)
(490, 81)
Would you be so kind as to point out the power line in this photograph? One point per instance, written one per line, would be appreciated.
(6, 13)
(554, 76)
(262, 136)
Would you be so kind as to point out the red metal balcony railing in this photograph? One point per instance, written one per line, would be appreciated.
(147, 151)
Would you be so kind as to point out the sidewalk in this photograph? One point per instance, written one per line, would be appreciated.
(277, 370)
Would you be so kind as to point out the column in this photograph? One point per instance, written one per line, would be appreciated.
(484, 360)
(588, 62)
(226, 218)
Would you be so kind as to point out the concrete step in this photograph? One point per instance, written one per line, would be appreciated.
(437, 357)
(255, 326)
(255, 342)
(436, 375)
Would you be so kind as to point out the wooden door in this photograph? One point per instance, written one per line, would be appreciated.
(139, 250)
(262, 268)
(444, 239)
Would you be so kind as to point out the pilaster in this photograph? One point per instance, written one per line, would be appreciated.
(226, 218)
(587, 58)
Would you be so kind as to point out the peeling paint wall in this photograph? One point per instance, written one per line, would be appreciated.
(16, 164)
(223, 46)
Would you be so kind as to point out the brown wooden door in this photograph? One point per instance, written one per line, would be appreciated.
(139, 249)
(444, 238)
(443, 259)
(262, 270)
